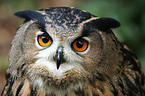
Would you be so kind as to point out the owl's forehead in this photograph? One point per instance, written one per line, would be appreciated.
(65, 16)
(65, 20)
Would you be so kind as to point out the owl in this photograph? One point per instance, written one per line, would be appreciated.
(65, 51)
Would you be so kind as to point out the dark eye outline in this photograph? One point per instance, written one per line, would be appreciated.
(79, 49)
(45, 36)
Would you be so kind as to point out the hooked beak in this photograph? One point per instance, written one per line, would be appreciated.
(59, 57)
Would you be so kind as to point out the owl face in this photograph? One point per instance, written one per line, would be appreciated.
(61, 40)
(60, 54)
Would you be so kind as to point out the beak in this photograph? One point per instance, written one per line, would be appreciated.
(59, 57)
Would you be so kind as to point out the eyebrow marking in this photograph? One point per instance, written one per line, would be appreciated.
(93, 18)
(87, 29)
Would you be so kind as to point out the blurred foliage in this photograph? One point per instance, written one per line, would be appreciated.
(3, 63)
(130, 13)
(14, 5)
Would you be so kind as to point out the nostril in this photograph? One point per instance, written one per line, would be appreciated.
(54, 58)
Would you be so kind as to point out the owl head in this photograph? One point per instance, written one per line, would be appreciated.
(63, 42)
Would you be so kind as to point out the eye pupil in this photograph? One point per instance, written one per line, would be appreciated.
(79, 44)
(44, 39)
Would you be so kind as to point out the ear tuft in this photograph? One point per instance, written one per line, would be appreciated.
(29, 15)
(105, 23)
(32, 15)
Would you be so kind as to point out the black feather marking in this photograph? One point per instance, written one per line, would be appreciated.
(8, 87)
(34, 91)
(19, 89)
(130, 84)
(112, 88)
(9, 84)
(94, 94)
(32, 15)
(24, 70)
(120, 83)
(101, 88)
(8, 75)
(79, 92)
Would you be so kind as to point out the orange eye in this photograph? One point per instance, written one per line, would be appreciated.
(44, 41)
(80, 45)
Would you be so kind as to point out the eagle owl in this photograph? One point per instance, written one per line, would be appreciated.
(65, 51)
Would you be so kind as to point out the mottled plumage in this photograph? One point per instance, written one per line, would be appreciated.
(64, 51)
